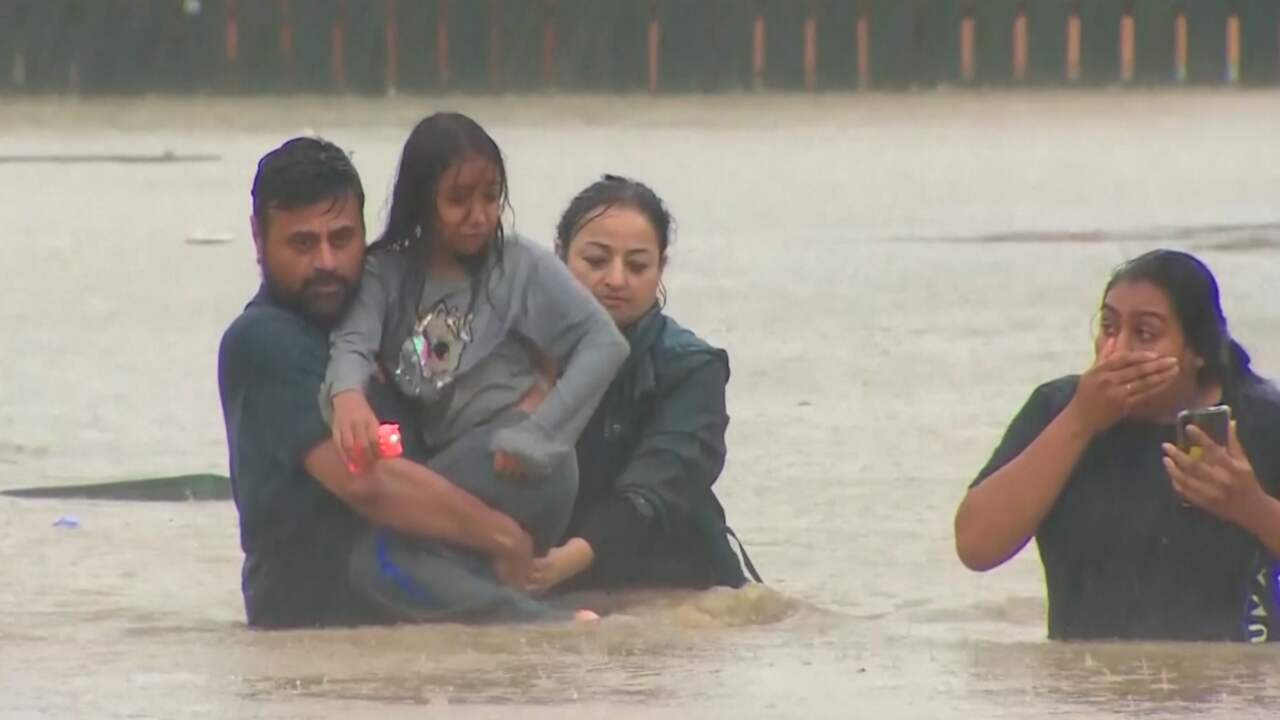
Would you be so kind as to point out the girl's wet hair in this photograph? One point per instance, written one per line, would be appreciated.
(1193, 293)
(613, 191)
(438, 143)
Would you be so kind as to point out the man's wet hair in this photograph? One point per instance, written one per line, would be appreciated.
(304, 171)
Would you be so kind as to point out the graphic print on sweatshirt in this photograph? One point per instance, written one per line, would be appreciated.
(430, 356)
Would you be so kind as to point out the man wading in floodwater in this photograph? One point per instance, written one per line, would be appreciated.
(300, 508)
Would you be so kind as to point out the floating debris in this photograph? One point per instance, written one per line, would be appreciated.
(203, 238)
(180, 488)
(168, 156)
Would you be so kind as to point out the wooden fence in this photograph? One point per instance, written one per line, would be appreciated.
(434, 46)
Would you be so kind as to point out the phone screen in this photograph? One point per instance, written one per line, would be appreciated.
(1214, 422)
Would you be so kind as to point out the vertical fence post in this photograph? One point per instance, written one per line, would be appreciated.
(549, 41)
(495, 46)
(1021, 44)
(231, 45)
(810, 49)
(1128, 45)
(1073, 45)
(391, 39)
(286, 45)
(758, 48)
(968, 50)
(1233, 48)
(18, 72)
(78, 42)
(338, 48)
(863, 33)
(654, 44)
(1180, 47)
(442, 44)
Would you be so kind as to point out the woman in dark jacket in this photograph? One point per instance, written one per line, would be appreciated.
(645, 513)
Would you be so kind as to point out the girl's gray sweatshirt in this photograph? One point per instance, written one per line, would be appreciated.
(466, 361)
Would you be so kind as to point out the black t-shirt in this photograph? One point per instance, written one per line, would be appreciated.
(296, 535)
(1123, 558)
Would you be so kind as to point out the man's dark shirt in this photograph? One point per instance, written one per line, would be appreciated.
(296, 535)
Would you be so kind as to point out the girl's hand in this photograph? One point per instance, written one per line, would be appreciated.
(355, 429)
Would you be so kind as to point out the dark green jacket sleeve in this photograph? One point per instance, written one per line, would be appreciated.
(667, 480)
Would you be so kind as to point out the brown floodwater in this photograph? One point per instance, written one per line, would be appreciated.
(891, 275)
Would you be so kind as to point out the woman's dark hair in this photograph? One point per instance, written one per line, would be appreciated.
(608, 192)
(1193, 292)
(436, 144)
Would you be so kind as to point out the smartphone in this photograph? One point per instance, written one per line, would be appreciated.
(1213, 421)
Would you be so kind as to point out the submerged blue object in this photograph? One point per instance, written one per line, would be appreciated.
(401, 579)
(1275, 581)
(67, 521)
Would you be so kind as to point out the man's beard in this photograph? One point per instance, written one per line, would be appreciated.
(322, 299)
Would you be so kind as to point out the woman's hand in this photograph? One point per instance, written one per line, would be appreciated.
(560, 564)
(1118, 382)
(1220, 481)
(355, 429)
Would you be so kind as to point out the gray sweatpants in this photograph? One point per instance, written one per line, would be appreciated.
(542, 506)
(416, 579)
